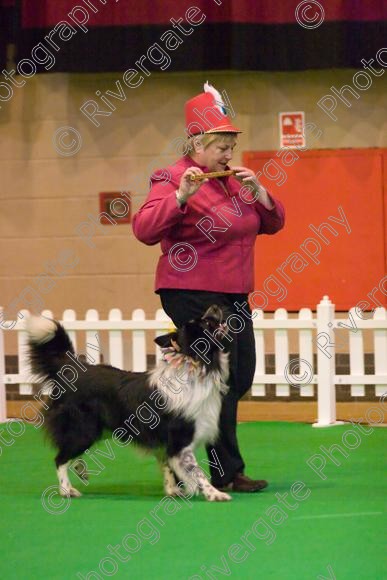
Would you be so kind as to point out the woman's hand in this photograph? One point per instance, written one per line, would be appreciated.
(248, 177)
(188, 187)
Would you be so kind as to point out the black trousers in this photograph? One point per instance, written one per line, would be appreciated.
(182, 305)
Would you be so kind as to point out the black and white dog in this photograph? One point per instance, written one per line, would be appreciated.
(185, 391)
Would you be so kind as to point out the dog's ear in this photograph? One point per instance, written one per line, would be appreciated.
(165, 340)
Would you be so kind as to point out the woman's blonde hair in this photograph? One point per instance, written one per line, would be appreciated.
(205, 139)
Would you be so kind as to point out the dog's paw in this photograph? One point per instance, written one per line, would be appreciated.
(72, 492)
(176, 491)
(218, 496)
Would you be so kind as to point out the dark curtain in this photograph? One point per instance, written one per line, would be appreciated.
(9, 27)
(110, 35)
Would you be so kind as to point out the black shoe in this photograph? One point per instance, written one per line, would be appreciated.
(242, 483)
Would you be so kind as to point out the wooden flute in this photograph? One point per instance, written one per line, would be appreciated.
(212, 175)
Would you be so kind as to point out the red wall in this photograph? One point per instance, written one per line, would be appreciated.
(315, 186)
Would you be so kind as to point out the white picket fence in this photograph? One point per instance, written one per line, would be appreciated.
(313, 331)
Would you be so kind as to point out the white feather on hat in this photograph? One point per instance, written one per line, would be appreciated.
(218, 97)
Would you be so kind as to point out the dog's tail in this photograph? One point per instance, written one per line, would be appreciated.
(49, 345)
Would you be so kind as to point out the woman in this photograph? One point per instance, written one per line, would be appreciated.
(207, 230)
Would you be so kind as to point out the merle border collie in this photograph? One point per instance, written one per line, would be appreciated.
(185, 390)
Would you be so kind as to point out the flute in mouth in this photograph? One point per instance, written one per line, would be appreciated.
(213, 175)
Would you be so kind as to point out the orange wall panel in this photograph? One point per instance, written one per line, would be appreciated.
(334, 240)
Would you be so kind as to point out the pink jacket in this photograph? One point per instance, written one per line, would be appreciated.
(208, 243)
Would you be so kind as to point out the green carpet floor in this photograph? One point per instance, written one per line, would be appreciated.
(331, 528)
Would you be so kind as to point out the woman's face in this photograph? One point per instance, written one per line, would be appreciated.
(217, 155)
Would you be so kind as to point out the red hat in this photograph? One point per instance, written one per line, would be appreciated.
(206, 113)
